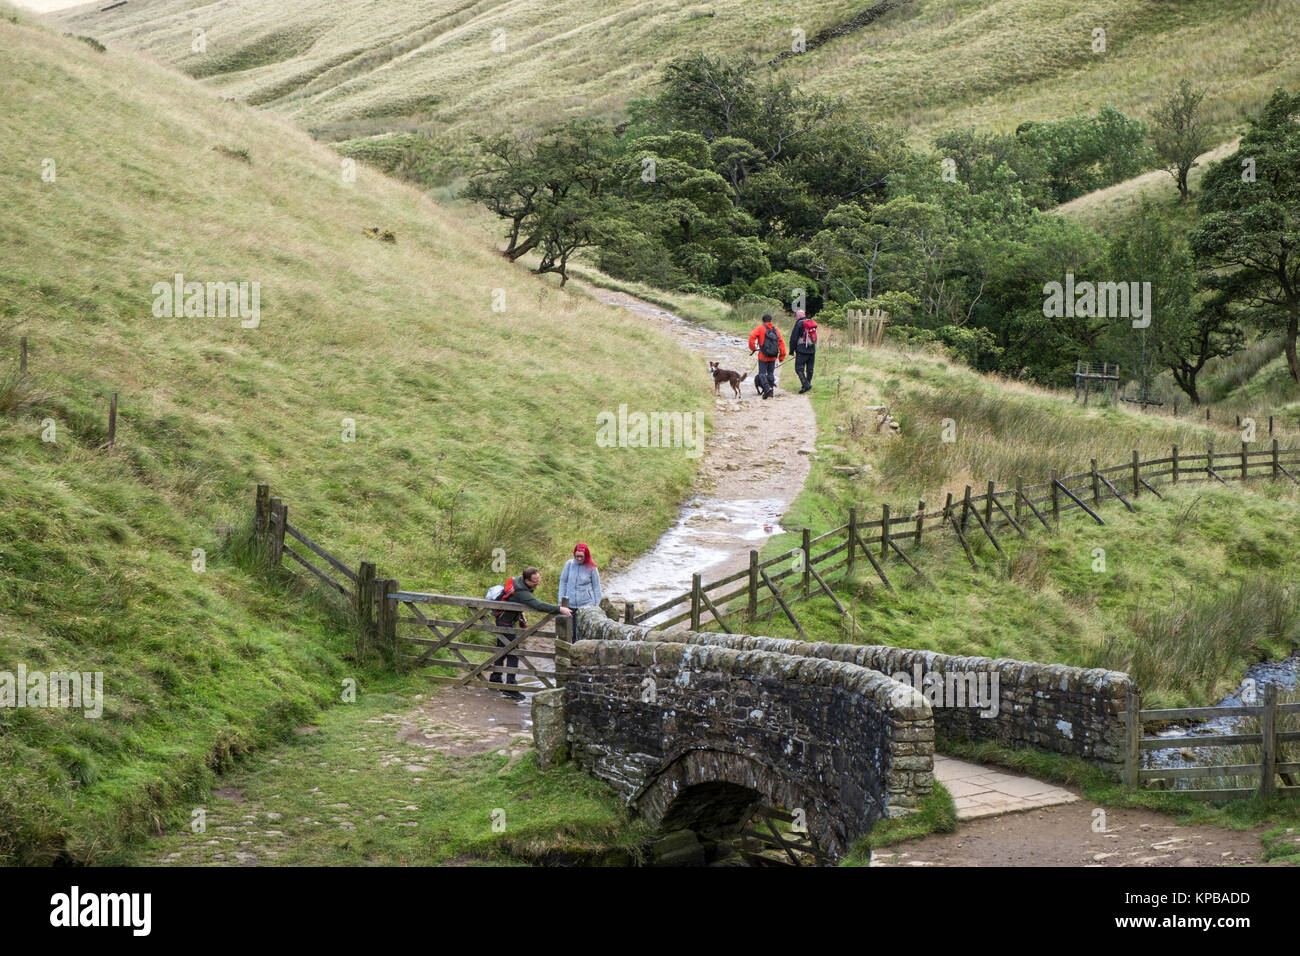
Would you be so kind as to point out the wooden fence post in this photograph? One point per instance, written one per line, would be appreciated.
(1020, 493)
(112, 420)
(920, 520)
(884, 532)
(807, 561)
(564, 631)
(22, 359)
(965, 509)
(695, 601)
(386, 618)
(1268, 750)
(1175, 464)
(1096, 482)
(365, 612)
(628, 613)
(753, 585)
(1275, 460)
(853, 540)
(1056, 502)
(279, 518)
(988, 506)
(1243, 460)
(1209, 460)
(261, 511)
(1132, 737)
(1137, 475)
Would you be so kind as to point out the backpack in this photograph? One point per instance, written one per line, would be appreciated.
(501, 592)
(809, 332)
(771, 347)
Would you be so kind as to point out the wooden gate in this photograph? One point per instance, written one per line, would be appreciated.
(465, 637)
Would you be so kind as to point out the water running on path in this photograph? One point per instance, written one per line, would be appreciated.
(754, 465)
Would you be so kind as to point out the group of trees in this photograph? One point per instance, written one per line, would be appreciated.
(744, 187)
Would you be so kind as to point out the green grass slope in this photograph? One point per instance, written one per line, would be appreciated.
(370, 68)
(474, 429)
(1190, 591)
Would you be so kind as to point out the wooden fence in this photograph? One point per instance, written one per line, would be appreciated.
(889, 538)
(392, 622)
(1269, 740)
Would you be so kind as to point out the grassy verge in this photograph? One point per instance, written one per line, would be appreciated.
(352, 790)
(420, 402)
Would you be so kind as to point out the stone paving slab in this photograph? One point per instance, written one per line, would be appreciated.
(979, 791)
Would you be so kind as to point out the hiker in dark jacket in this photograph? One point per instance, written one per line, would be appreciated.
(803, 340)
(521, 593)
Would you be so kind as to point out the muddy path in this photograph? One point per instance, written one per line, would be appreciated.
(754, 465)
(1069, 835)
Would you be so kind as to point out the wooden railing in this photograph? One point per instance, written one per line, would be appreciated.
(1013, 509)
(1269, 740)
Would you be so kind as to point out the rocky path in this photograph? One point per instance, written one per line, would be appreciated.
(754, 465)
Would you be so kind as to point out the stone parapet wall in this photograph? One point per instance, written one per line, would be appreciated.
(1052, 707)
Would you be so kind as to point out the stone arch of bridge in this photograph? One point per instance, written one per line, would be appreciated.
(716, 789)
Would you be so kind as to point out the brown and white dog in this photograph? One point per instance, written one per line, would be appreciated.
(721, 375)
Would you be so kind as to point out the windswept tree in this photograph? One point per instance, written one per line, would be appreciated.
(552, 191)
(1247, 244)
(1179, 134)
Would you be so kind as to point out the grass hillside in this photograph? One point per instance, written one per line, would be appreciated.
(376, 72)
(474, 428)
(1194, 588)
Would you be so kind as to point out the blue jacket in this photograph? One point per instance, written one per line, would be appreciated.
(580, 584)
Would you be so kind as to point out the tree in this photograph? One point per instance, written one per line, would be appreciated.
(1150, 252)
(1084, 153)
(1247, 244)
(1178, 135)
(551, 191)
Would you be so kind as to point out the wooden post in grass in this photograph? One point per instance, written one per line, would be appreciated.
(1137, 474)
(1267, 750)
(365, 610)
(695, 601)
(1175, 464)
(920, 520)
(112, 420)
(1209, 460)
(1275, 460)
(628, 613)
(1096, 482)
(564, 634)
(1132, 736)
(853, 540)
(386, 617)
(279, 518)
(806, 548)
(753, 585)
(1056, 503)
(22, 358)
(884, 532)
(965, 509)
(261, 512)
(988, 506)
(1020, 493)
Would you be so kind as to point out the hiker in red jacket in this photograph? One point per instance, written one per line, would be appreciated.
(766, 340)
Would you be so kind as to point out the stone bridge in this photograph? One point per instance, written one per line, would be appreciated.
(697, 736)
(697, 729)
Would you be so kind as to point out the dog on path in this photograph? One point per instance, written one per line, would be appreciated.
(721, 375)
